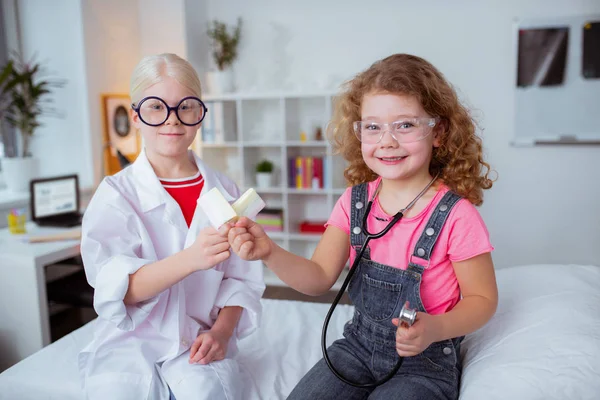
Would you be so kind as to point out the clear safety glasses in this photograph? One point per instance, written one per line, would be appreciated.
(406, 130)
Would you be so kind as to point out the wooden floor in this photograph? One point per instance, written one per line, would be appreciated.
(286, 293)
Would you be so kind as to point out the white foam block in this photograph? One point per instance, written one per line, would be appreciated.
(216, 207)
(249, 204)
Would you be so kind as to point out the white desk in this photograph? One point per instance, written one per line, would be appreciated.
(24, 320)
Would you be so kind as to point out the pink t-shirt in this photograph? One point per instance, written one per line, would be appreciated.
(463, 236)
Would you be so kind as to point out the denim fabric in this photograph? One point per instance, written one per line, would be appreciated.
(368, 350)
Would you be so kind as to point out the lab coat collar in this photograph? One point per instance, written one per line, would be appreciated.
(151, 192)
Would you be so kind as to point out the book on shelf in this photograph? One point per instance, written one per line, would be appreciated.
(271, 219)
(312, 227)
(308, 172)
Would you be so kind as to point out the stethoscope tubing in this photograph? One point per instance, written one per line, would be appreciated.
(369, 236)
(340, 293)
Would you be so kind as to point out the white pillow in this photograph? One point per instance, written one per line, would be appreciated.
(544, 340)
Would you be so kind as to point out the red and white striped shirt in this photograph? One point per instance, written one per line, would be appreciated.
(185, 191)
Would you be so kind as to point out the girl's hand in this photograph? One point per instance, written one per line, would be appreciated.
(210, 248)
(413, 340)
(249, 241)
(209, 346)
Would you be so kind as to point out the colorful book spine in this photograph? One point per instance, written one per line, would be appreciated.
(317, 177)
(271, 220)
(299, 171)
(306, 173)
(292, 172)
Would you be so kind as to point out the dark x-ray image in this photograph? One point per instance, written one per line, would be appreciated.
(542, 56)
(591, 50)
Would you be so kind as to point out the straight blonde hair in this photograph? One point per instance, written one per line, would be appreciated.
(154, 69)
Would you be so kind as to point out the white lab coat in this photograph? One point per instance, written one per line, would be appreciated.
(138, 350)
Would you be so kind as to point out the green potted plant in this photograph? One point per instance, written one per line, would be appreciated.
(6, 84)
(26, 92)
(264, 173)
(224, 51)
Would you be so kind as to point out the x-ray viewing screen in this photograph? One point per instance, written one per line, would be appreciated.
(542, 56)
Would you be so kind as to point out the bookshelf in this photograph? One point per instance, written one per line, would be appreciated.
(242, 129)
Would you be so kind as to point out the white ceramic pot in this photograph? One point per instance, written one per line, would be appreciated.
(219, 82)
(18, 172)
(263, 179)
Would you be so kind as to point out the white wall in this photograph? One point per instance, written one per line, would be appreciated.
(112, 49)
(53, 32)
(106, 40)
(94, 45)
(544, 206)
(117, 35)
(162, 27)
(197, 42)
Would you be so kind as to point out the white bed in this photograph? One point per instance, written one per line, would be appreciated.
(543, 343)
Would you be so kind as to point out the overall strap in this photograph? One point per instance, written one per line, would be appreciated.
(357, 211)
(430, 234)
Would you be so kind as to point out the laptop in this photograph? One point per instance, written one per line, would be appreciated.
(55, 201)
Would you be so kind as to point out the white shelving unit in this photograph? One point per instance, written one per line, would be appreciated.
(241, 129)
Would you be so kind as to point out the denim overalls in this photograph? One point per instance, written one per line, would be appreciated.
(368, 350)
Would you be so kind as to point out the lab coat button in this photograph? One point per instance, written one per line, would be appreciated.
(359, 205)
(429, 231)
(185, 343)
(443, 207)
(420, 252)
(356, 230)
(447, 351)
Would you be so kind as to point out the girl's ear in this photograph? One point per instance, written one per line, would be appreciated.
(136, 119)
(439, 129)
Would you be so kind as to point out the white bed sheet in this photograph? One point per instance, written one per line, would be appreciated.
(544, 340)
(543, 343)
(284, 348)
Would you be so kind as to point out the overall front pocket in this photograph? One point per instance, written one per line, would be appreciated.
(379, 298)
(441, 357)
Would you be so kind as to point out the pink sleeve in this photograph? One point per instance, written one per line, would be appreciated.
(468, 236)
(339, 216)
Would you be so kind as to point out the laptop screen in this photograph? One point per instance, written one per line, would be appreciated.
(55, 196)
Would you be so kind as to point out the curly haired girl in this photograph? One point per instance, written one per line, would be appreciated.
(411, 148)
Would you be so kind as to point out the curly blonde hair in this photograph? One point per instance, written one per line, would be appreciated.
(458, 159)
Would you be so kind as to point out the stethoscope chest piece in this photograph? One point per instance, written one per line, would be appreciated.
(407, 315)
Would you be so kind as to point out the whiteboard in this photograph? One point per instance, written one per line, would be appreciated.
(547, 111)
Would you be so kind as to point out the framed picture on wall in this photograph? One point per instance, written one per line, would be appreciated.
(591, 50)
(121, 142)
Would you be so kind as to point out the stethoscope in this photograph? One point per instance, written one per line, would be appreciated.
(407, 315)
